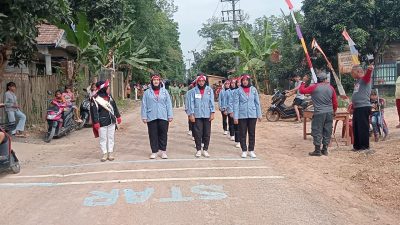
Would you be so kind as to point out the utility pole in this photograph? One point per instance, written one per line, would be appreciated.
(233, 15)
(190, 65)
(194, 58)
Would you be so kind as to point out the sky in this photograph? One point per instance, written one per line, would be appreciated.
(193, 13)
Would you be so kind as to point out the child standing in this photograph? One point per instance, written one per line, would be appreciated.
(69, 97)
(105, 115)
(377, 118)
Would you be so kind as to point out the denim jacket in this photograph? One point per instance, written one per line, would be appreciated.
(246, 106)
(154, 107)
(201, 106)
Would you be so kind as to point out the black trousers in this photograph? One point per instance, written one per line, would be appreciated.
(224, 121)
(247, 126)
(361, 128)
(158, 135)
(231, 126)
(202, 133)
(234, 129)
(237, 132)
(190, 125)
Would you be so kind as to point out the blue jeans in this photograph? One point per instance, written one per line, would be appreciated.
(376, 121)
(13, 115)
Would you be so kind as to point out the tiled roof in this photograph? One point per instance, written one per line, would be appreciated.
(49, 34)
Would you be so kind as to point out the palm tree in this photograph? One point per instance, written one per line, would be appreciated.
(253, 57)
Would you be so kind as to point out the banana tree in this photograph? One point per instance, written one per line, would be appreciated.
(117, 49)
(80, 36)
(253, 57)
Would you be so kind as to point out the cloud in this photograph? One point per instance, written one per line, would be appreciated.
(192, 14)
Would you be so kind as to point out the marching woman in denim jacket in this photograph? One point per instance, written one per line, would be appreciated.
(233, 128)
(157, 114)
(222, 104)
(247, 109)
(187, 103)
(201, 111)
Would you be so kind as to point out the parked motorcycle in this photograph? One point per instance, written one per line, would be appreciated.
(279, 109)
(60, 119)
(85, 110)
(8, 158)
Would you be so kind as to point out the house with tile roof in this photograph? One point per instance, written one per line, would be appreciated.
(54, 54)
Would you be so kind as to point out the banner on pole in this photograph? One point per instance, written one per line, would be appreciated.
(345, 61)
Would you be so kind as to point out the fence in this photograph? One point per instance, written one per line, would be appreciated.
(117, 82)
(31, 94)
(33, 97)
(385, 74)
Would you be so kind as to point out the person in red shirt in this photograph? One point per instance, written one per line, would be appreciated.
(325, 105)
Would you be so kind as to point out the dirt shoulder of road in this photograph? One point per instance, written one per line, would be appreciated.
(373, 179)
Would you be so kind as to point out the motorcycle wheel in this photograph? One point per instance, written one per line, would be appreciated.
(14, 164)
(273, 116)
(50, 135)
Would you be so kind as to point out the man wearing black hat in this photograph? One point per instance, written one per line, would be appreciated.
(325, 103)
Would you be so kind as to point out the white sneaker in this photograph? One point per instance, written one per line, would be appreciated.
(153, 156)
(237, 144)
(202, 145)
(252, 154)
(232, 138)
(189, 133)
(192, 138)
(205, 154)
(244, 154)
(198, 154)
(164, 155)
(226, 132)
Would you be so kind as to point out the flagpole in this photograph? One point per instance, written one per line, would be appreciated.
(342, 92)
(303, 43)
(353, 50)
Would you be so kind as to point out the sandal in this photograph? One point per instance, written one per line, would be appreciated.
(20, 134)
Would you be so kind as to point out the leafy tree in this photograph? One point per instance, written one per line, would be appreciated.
(155, 25)
(18, 27)
(216, 33)
(291, 52)
(372, 24)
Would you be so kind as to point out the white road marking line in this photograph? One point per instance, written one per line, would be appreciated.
(139, 170)
(147, 161)
(22, 185)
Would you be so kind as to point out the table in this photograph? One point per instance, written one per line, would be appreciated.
(340, 116)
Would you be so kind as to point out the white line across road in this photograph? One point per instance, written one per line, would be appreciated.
(138, 170)
(50, 184)
(148, 161)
